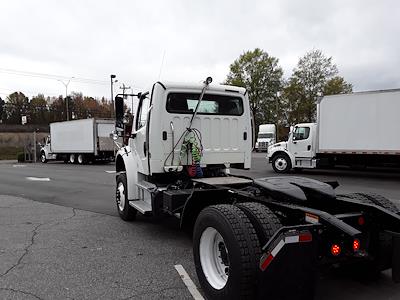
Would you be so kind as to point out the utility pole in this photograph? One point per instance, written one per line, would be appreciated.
(123, 88)
(66, 93)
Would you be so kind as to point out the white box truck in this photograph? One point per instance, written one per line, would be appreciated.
(358, 129)
(266, 137)
(79, 141)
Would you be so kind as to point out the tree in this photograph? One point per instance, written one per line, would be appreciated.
(337, 85)
(16, 106)
(261, 75)
(2, 102)
(314, 76)
(38, 110)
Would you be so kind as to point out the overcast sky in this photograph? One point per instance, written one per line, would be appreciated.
(93, 39)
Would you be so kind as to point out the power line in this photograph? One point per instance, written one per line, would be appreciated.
(52, 76)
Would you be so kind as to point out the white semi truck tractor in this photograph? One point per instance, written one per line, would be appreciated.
(79, 141)
(357, 130)
(266, 136)
(252, 238)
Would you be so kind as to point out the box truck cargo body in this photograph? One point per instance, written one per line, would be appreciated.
(359, 129)
(79, 141)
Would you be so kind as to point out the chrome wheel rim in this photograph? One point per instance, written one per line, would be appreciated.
(214, 258)
(80, 159)
(72, 158)
(281, 164)
(43, 158)
(121, 196)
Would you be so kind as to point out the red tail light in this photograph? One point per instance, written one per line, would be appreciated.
(335, 250)
(356, 245)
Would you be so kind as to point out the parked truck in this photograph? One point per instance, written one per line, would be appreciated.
(266, 137)
(252, 238)
(79, 141)
(356, 130)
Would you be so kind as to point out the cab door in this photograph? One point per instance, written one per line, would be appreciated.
(301, 144)
(139, 142)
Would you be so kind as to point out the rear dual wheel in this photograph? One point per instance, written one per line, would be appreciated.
(227, 243)
(77, 158)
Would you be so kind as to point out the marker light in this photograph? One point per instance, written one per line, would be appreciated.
(335, 250)
(361, 221)
(356, 245)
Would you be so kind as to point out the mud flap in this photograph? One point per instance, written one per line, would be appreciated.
(396, 257)
(288, 268)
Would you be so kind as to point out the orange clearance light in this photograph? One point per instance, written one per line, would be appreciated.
(361, 221)
(356, 245)
(335, 250)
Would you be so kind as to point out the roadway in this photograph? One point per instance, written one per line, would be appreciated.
(91, 188)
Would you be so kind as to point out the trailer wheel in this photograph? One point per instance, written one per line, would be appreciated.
(72, 158)
(125, 211)
(226, 252)
(43, 158)
(81, 159)
(281, 163)
(264, 221)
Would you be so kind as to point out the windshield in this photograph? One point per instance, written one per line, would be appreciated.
(185, 103)
(265, 135)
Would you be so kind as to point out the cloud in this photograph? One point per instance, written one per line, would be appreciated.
(93, 39)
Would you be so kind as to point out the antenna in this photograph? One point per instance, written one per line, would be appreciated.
(161, 66)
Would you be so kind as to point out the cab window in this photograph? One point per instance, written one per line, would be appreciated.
(142, 112)
(301, 133)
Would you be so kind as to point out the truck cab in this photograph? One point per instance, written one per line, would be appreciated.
(174, 135)
(298, 152)
(266, 137)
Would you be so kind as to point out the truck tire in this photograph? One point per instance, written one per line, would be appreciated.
(81, 159)
(125, 211)
(226, 253)
(72, 158)
(264, 221)
(43, 158)
(372, 198)
(281, 163)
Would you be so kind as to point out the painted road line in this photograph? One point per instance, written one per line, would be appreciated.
(110, 172)
(38, 178)
(188, 282)
(19, 166)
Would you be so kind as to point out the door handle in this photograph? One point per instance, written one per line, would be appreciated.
(308, 147)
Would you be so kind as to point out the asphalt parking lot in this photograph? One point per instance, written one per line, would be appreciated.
(60, 237)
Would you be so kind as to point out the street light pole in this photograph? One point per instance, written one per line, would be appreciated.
(66, 94)
(112, 76)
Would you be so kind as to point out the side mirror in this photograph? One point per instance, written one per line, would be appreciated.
(114, 136)
(119, 112)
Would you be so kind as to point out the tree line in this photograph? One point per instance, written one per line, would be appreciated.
(273, 99)
(285, 102)
(43, 110)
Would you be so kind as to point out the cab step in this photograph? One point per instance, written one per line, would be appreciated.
(141, 206)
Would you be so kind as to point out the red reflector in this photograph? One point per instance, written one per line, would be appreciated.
(335, 250)
(305, 237)
(361, 221)
(265, 263)
(356, 245)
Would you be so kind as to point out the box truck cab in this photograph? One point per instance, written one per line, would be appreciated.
(266, 137)
(298, 152)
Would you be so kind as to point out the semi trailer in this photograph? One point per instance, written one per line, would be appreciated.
(79, 141)
(357, 130)
(252, 238)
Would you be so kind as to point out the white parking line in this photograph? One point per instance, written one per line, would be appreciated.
(189, 283)
(19, 166)
(110, 172)
(38, 178)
